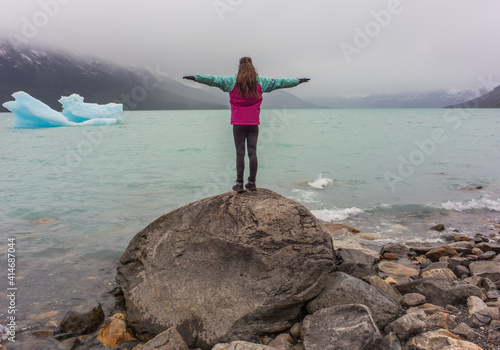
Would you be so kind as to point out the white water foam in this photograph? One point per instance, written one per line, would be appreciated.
(336, 214)
(320, 182)
(473, 204)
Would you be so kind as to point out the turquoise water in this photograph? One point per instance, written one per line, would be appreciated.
(391, 173)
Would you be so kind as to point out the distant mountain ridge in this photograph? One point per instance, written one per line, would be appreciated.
(489, 100)
(423, 99)
(49, 74)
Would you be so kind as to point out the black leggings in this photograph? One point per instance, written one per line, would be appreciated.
(250, 133)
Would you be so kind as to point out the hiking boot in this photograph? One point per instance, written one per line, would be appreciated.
(238, 187)
(251, 186)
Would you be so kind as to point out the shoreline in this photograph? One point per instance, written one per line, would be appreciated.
(47, 315)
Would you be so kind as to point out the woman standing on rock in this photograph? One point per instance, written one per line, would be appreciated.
(245, 96)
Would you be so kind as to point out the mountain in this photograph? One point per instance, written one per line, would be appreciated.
(422, 99)
(489, 100)
(48, 74)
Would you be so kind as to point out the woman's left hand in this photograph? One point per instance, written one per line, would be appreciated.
(303, 80)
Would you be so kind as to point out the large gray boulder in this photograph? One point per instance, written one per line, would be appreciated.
(229, 267)
(344, 289)
(343, 327)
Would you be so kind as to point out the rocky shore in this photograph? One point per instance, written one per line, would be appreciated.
(257, 271)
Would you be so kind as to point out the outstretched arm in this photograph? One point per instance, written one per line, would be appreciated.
(269, 85)
(226, 84)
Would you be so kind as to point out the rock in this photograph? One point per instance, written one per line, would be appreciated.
(225, 268)
(69, 344)
(441, 320)
(440, 340)
(385, 287)
(475, 304)
(282, 342)
(444, 250)
(355, 263)
(438, 227)
(169, 339)
(390, 256)
(46, 221)
(486, 247)
(456, 261)
(406, 326)
(462, 247)
(440, 292)
(487, 255)
(493, 336)
(413, 299)
(295, 330)
(474, 281)
(395, 248)
(343, 327)
(337, 229)
(396, 269)
(241, 345)
(486, 269)
(466, 332)
(445, 274)
(391, 342)
(461, 238)
(114, 332)
(306, 322)
(345, 289)
(83, 320)
(461, 271)
(436, 265)
(43, 333)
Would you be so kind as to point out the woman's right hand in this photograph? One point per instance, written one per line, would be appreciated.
(303, 80)
(189, 77)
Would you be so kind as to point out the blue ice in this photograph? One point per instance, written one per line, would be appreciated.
(32, 113)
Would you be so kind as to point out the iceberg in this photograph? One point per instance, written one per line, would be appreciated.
(32, 113)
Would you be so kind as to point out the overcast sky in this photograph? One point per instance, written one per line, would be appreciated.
(346, 47)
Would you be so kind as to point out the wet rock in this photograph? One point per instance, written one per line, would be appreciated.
(445, 274)
(444, 250)
(390, 256)
(456, 261)
(228, 267)
(355, 263)
(337, 229)
(169, 339)
(413, 299)
(345, 289)
(295, 331)
(115, 331)
(406, 326)
(440, 340)
(461, 238)
(487, 255)
(396, 269)
(440, 292)
(343, 327)
(83, 320)
(395, 248)
(461, 271)
(438, 227)
(69, 344)
(306, 323)
(462, 247)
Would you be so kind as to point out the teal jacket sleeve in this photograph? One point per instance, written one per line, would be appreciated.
(226, 84)
(269, 85)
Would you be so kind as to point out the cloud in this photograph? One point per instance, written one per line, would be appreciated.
(396, 45)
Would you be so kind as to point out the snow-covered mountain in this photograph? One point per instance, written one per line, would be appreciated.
(490, 99)
(48, 74)
(422, 99)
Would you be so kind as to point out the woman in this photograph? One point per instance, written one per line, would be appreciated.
(245, 96)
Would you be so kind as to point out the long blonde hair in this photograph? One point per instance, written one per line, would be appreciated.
(246, 80)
